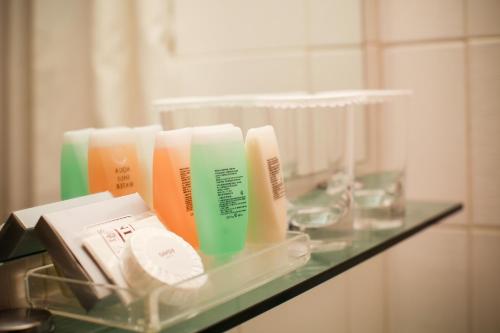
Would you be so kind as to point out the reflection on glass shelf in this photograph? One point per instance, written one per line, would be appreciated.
(335, 208)
(378, 200)
(324, 216)
(322, 266)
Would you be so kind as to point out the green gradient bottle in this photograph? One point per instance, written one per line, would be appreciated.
(220, 189)
(74, 154)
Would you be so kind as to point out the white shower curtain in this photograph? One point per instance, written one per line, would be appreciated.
(69, 64)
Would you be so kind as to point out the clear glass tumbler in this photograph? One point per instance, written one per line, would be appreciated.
(322, 207)
(380, 157)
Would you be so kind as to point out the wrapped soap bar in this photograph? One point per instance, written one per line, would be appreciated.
(62, 235)
(157, 258)
(106, 243)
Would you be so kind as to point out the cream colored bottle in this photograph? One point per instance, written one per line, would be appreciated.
(267, 205)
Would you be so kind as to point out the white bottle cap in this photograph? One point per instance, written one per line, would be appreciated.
(106, 137)
(214, 126)
(174, 138)
(147, 130)
(216, 134)
(155, 258)
(77, 136)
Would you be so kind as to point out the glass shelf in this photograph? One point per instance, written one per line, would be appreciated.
(320, 268)
(225, 277)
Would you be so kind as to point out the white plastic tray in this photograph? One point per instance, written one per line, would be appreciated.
(226, 279)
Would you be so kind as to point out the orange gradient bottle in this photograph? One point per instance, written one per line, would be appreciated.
(172, 198)
(113, 164)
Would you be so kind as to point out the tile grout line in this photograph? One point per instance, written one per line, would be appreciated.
(433, 41)
(367, 79)
(309, 75)
(381, 83)
(307, 57)
(307, 49)
(265, 51)
(464, 227)
(469, 181)
(3, 108)
(364, 48)
(365, 83)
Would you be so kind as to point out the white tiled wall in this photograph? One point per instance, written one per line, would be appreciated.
(436, 164)
(334, 22)
(243, 74)
(351, 302)
(484, 100)
(404, 20)
(337, 69)
(485, 281)
(322, 309)
(428, 283)
(238, 47)
(238, 25)
(482, 17)
(366, 296)
(448, 52)
(446, 280)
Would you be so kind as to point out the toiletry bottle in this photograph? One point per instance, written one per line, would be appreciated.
(266, 191)
(220, 189)
(74, 171)
(113, 163)
(145, 141)
(172, 182)
(172, 198)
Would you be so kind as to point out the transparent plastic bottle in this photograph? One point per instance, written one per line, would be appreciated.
(220, 189)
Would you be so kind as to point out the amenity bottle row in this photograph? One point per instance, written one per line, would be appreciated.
(204, 183)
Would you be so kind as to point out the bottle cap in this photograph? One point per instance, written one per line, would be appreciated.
(174, 138)
(216, 134)
(105, 137)
(77, 136)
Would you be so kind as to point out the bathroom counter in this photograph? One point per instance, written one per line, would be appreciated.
(320, 268)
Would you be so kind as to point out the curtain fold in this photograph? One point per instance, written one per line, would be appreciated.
(70, 64)
(3, 109)
(16, 101)
(115, 62)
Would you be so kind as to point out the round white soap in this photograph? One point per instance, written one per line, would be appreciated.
(157, 257)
